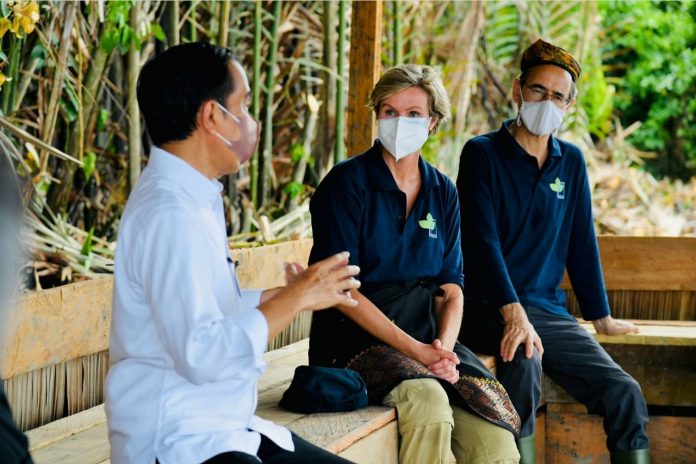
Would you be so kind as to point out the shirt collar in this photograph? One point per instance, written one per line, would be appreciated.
(171, 167)
(381, 177)
(513, 148)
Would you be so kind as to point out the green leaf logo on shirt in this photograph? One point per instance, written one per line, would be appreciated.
(428, 223)
(558, 186)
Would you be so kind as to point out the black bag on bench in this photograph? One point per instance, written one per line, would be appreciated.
(324, 389)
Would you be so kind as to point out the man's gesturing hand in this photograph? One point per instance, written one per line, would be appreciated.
(518, 330)
(323, 284)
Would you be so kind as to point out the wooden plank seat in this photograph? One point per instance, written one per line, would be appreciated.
(368, 435)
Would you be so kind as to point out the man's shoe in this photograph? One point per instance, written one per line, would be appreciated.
(641, 456)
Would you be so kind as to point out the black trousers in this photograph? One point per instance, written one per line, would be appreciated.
(575, 361)
(14, 447)
(271, 453)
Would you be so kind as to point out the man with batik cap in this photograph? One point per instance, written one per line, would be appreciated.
(526, 217)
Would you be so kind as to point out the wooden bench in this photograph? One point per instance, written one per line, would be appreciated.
(650, 278)
(64, 333)
(366, 435)
(661, 358)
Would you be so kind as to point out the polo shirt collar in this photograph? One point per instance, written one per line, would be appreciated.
(514, 148)
(381, 177)
(203, 190)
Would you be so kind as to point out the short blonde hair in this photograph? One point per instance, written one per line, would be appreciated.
(403, 76)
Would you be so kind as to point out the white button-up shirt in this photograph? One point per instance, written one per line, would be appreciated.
(187, 343)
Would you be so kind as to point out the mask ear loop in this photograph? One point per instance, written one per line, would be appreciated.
(228, 112)
(236, 119)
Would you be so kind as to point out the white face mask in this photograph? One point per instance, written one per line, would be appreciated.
(402, 136)
(540, 118)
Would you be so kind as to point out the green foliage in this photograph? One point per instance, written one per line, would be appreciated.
(597, 100)
(119, 34)
(651, 56)
(89, 164)
(293, 189)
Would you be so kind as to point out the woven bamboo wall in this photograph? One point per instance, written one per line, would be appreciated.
(677, 305)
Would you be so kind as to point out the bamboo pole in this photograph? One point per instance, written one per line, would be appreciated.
(134, 130)
(266, 158)
(93, 84)
(173, 32)
(340, 150)
(398, 43)
(256, 103)
(23, 86)
(10, 89)
(325, 142)
(57, 86)
(224, 32)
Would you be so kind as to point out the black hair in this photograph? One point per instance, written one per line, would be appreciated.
(174, 84)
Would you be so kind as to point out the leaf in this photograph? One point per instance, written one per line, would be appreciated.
(89, 164)
(87, 245)
(293, 189)
(428, 223)
(158, 32)
(557, 186)
(103, 118)
(297, 151)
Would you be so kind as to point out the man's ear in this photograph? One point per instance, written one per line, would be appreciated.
(207, 116)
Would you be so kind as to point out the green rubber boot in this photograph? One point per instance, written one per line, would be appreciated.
(527, 449)
(641, 456)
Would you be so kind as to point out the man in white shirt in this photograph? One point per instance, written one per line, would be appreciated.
(187, 343)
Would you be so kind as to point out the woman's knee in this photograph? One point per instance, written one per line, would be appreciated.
(420, 402)
(478, 441)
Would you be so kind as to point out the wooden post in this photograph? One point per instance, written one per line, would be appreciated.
(365, 37)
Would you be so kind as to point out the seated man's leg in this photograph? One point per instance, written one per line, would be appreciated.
(521, 378)
(579, 364)
(478, 441)
(425, 421)
(482, 331)
(305, 453)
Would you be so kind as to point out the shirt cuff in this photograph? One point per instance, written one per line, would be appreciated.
(503, 298)
(255, 327)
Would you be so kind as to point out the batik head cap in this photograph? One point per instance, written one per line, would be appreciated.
(541, 52)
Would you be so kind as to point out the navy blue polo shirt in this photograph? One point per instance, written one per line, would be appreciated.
(358, 207)
(522, 226)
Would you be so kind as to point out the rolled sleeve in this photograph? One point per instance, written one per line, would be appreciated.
(255, 328)
(452, 262)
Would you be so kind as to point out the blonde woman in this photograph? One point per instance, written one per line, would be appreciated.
(399, 219)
